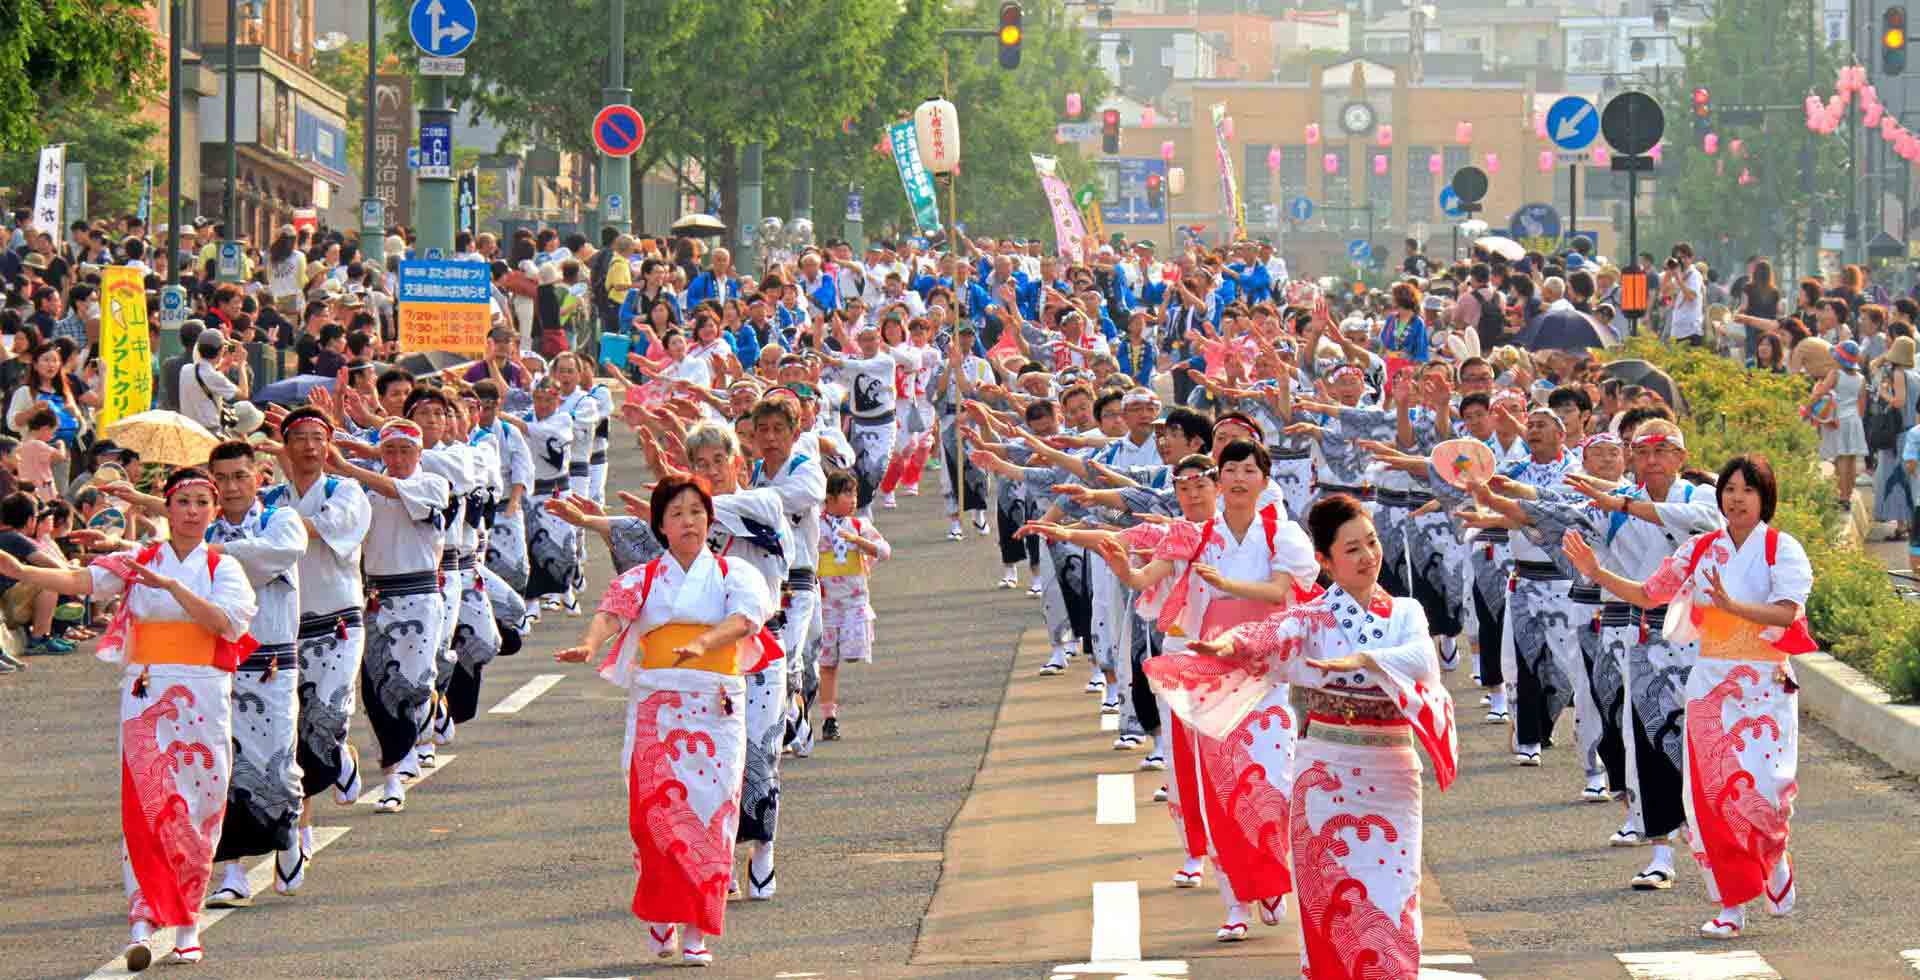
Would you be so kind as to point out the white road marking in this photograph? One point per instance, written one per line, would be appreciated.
(259, 879)
(1124, 968)
(512, 703)
(1740, 964)
(1431, 967)
(1116, 922)
(1113, 798)
(1912, 956)
(1109, 723)
(370, 787)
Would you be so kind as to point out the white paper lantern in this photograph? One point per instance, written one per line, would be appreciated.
(937, 126)
(1177, 180)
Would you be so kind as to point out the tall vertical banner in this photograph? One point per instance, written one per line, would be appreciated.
(125, 353)
(49, 194)
(1068, 232)
(1229, 188)
(914, 178)
(392, 134)
(1096, 229)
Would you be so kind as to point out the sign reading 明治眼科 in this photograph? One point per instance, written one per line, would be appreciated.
(445, 306)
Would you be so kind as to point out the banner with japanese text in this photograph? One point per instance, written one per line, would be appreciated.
(126, 352)
(914, 178)
(445, 306)
(1236, 209)
(1068, 231)
(50, 192)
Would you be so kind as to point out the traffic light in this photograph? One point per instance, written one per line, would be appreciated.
(1893, 41)
(1110, 131)
(1009, 35)
(1702, 111)
(1155, 199)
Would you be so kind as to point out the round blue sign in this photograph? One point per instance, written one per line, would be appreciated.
(1359, 250)
(1533, 224)
(1450, 203)
(442, 28)
(1573, 123)
(1300, 209)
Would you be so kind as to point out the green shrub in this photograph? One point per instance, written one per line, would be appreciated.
(1853, 611)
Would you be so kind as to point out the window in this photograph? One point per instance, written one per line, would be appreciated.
(1422, 190)
(1380, 187)
(1455, 158)
(1338, 187)
(1293, 171)
(1256, 181)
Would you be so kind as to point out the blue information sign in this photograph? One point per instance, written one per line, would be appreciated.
(1359, 250)
(1129, 205)
(442, 28)
(1535, 223)
(1300, 209)
(1573, 123)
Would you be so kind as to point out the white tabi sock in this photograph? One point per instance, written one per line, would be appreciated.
(235, 877)
(1662, 857)
(1497, 701)
(691, 938)
(761, 864)
(186, 937)
(1160, 743)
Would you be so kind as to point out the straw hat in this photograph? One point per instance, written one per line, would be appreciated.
(1899, 355)
(1812, 356)
(549, 273)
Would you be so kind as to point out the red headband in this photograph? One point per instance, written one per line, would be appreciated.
(187, 484)
(320, 420)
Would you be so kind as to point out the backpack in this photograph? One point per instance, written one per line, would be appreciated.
(1493, 319)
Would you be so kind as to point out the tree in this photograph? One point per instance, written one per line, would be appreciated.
(1752, 52)
(344, 69)
(69, 50)
(111, 138)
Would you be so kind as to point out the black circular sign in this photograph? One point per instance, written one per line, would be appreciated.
(1470, 183)
(1632, 123)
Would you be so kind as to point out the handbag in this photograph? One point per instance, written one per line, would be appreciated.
(229, 417)
(1885, 425)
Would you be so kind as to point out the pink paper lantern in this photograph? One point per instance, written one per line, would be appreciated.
(1273, 159)
(1073, 104)
(1540, 125)
(1493, 164)
(1385, 136)
(1546, 161)
(1147, 116)
(1603, 159)
(1737, 147)
(1379, 164)
(1746, 177)
(1166, 150)
(1434, 164)
(1330, 162)
(1463, 132)
(1872, 114)
(1313, 134)
(1888, 126)
(1711, 143)
(1226, 127)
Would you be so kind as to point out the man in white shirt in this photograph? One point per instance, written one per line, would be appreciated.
(204, 384)
(1683, 285)
(1276, 268)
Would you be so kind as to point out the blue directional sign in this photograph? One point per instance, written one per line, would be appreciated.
(1450, 203)
(442, 28)
(1573, 123)
(436, 149)
(1360, 250)
(1300, 209)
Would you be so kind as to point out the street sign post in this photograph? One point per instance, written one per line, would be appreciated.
(1300, 208)
(616, 207)
(1633, 124)
(1469, 184)
(436, 149)
(173, 307)
(466, 203)
(1536, 226)
(1450, 203)
(442, 28)
(618, 130)
(1360, 250)
(1573, 123)
(228, 266)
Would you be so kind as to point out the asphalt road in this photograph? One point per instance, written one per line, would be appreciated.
(512, 860)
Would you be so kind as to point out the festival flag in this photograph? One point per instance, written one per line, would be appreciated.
(914, 177)
(49, 193)
(1229, 189)
(125, 351)
(1068, 232)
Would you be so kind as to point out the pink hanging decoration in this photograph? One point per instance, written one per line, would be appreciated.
(884, 148)
(1073, 105)
(1226, 127)
(1147, 116)
(1656, 153)
(1493, 164)
(1746, 177)
(1166, 150)
(1737, 147)
(1546, 161)
(1273, 159)
(1872, 114)
(1313, 134)
(1869, 96)
(1888, 126)
(1540, 125)
(1379, 164)
(1711, 144)
(1385, 136)
(1330, 163)
(1434, 163)
(1463, 132)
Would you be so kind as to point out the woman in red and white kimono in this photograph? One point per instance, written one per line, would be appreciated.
(181, 633)
(1743, 590)
(683, 627)
(1232, 560)
(1362, 666)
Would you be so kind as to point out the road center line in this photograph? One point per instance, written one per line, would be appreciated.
(370, 789)
(512, 703)
(1113, 799)
(1124, 968)
(1116, 921)
(1109, 723)
(259, 879)
(1740, 964)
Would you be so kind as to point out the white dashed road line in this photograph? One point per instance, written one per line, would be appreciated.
(370, 784)
(512, 703)
(1113, 799)
(1116, 922)
(1740, 964)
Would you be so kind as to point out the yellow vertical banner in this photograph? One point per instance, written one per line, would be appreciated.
(1096, 229)
(126, 355)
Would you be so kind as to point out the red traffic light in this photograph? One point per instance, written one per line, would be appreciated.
(1702, 102)
(1110, 119)
(1153, 181)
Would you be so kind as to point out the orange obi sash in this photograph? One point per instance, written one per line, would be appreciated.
(1724, 636)
(658, 645)
(182, 643)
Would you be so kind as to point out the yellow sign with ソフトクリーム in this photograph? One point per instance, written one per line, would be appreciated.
(126, 351)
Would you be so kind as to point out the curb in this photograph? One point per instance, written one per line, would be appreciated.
(1859, 711)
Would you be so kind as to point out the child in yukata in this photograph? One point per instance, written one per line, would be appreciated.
(848, 547)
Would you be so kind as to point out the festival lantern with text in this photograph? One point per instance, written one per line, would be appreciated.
(937, 126)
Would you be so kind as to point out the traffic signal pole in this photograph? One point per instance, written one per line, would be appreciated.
(616, 173)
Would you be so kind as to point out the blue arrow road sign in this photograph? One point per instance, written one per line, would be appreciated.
(1300, 209)
(1359, 250)
(442, 28)
(1573, 123)
(1450, 203)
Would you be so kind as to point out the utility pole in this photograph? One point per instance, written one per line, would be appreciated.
(233, 45)
(753, 185)
(1809, 154)
(616, 172)
(176, 26)
(373, 211)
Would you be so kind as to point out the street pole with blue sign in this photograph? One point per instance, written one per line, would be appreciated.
(1573, 124)
(442, 30)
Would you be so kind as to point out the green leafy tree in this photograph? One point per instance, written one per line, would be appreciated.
(57, 50)
(1752, 52)
(344, 69)
(117, 145)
